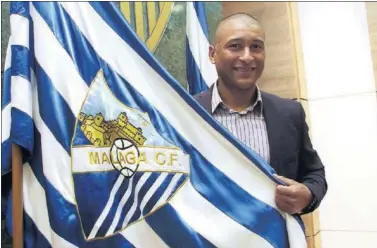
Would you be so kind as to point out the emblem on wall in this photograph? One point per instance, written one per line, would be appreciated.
(149, 19)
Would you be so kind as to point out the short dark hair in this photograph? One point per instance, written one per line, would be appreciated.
(237, 15)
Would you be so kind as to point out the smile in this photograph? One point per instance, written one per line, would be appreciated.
(245, 69)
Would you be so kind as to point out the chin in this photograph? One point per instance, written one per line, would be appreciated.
(246, 85)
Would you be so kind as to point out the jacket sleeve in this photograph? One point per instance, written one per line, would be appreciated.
(311, 169)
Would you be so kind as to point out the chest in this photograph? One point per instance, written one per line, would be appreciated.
(249, 128)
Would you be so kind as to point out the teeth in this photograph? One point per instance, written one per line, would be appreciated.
(245, 69)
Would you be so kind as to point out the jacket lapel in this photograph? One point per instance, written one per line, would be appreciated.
(273, 121)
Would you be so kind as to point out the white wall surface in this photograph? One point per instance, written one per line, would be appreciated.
(343, 118)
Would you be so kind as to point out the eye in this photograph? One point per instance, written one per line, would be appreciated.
(256, 48)
(235, 46)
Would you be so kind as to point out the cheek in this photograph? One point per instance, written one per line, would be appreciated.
(260, 59)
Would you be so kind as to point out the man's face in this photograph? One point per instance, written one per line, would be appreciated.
(238, 54)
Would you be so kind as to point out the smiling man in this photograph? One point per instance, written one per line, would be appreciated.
(273, 127)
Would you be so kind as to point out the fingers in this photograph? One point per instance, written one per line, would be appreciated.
(286, 180)
(286, 199)
(285, 190)
(285, 204)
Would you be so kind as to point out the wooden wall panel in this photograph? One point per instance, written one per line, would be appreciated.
(372, 26)
(280, 76)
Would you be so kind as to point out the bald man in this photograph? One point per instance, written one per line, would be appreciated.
(273, 127)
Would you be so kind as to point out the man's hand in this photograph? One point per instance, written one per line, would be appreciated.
(292, 198)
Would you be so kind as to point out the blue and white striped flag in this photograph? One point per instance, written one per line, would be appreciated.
(117, 153)
(201, 74)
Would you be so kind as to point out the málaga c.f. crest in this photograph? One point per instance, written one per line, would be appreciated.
(122, 169)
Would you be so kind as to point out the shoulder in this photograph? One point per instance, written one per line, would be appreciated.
(201, 95)
(204, 99)
(281, 104)
(291, 110)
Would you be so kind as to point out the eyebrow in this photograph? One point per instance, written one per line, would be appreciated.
(239, 39)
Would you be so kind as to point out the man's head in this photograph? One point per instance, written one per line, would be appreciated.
(238, 51)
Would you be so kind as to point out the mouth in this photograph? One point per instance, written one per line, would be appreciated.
(245, 70)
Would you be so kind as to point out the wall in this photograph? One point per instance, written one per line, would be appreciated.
(341, 95)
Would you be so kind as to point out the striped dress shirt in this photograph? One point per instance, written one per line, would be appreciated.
(247, 125)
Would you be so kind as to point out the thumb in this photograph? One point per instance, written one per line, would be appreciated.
(286, 180)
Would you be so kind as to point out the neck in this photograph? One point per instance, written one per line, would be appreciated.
(237, 99)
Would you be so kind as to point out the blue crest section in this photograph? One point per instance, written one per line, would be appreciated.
(80, 138)
(118, 199)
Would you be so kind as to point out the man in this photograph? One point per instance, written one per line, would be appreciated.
(274, 127)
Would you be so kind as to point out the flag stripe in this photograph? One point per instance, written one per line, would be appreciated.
(19, 8)
(135, 199)
(70, 38)
(8, 55)
(48, 46)
(142, 235)
(152, 190)
(6, 83)
(33, 192)
(54, 153)
(205, 218)
(6, 95)
(195, 81)
(6, 157)
(120, 208)
(5, 123)
(61, 120)
(108, 206)
(200, 12)
(174, 231)
(121, 199)
(197, 36)
(295, 231)
(142, 193)
(20, 24)
(250, 212)
(19, 67)
(21, 131)
(32, 236)
(21, 94)
(168, 191)
(158, 194)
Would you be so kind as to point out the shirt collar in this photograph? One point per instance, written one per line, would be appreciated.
(218, 102)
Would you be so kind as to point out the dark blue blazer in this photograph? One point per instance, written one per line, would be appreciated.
(291, 151)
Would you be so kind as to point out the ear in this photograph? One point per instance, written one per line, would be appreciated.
(211, 53)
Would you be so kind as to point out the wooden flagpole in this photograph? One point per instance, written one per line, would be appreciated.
(17, 206)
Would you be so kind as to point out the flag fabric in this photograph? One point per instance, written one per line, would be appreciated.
(116, 153)
(201, 74)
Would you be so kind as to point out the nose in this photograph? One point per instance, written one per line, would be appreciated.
(246, 55)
